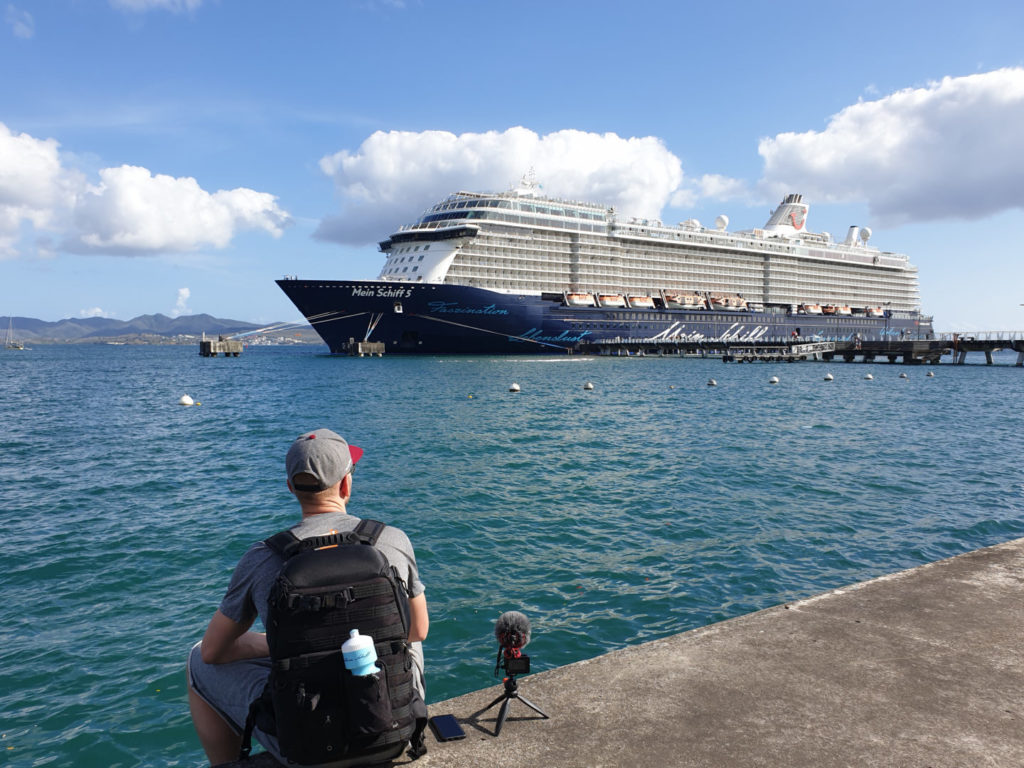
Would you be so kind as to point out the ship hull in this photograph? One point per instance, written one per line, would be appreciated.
(442, 319)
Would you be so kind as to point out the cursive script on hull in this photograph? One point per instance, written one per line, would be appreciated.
(454, 308)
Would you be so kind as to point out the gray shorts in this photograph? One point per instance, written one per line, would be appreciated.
(230, 689)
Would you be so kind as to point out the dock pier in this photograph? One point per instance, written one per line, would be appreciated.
(987, 342)
(223, 345)
(365, 348)
(916, 668)
(910, 351)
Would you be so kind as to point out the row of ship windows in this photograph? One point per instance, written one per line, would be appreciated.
(767, 249)
(500, 270)
(410, 258)
(699, 282)
(844, 321)
(511, 218)
(518, 250)
(545, 210)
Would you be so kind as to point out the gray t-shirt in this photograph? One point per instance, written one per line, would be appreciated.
(255, 573)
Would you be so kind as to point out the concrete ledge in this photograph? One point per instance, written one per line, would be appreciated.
(923, 668)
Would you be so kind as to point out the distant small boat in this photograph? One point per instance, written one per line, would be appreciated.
(11, 342)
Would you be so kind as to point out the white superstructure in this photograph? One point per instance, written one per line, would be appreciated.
(524, 243)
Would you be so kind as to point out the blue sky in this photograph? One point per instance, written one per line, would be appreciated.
(177, 156)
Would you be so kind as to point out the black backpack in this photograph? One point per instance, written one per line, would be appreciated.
(321, 713)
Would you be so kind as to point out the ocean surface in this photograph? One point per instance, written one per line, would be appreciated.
(649, 506)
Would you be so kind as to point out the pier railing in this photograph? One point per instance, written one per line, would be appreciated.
(980, 336)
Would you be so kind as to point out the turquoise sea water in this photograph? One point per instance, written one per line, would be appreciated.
(651, 505)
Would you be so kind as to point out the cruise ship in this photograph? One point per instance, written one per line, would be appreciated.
(518, 272)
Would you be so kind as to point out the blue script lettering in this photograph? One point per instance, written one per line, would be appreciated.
(453, 308)
(536, 334)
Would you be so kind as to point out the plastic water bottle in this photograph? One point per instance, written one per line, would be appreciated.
(359, 654)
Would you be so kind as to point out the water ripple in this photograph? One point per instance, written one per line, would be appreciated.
(651, 505)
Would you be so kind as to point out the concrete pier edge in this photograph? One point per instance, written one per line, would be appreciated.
(923, 667)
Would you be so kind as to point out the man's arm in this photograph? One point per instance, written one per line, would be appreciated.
(227, 640)
(419, 620)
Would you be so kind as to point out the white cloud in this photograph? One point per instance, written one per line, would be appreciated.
(130, 211)
(93, 312)
(181, 305)
(31, 183)
(140, 6)
(22, 23)
(720, 187)
(393, 176)
(953, 149)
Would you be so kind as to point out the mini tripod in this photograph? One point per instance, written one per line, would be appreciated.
(513, 662)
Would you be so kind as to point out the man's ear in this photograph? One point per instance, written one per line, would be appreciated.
(345, 489)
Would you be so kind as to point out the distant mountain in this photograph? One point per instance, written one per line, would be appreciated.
(79, 329)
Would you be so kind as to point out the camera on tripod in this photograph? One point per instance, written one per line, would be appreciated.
(516, 665)
(512, 632)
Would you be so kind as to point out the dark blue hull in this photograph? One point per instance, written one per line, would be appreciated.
(431, 319)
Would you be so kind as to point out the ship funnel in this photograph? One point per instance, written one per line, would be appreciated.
(852, 235)
(789, 218)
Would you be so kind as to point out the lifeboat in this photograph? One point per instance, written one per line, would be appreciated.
(579, 299)
(719, 302)
(611, 300)
(674, 300)
(641, 302)
(694, 302)
(829, 309)
(736, 303)
(844, 310)
(874, 312)
(811, 309)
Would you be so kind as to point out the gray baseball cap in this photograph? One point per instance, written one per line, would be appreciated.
(323, 454)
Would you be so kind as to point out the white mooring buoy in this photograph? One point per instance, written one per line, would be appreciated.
(829, 377)
(712, 383)
(930, 374)
(869, 377)
(904, 376)
(773, 380)
(514, 387)
(186, 400)
(588, 386)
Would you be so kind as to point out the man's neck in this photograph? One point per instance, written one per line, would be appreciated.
(322, 507)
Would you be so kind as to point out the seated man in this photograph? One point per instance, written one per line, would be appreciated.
(228, 669)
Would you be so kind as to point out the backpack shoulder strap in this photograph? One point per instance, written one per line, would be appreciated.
(369, 531)
(285, 543)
